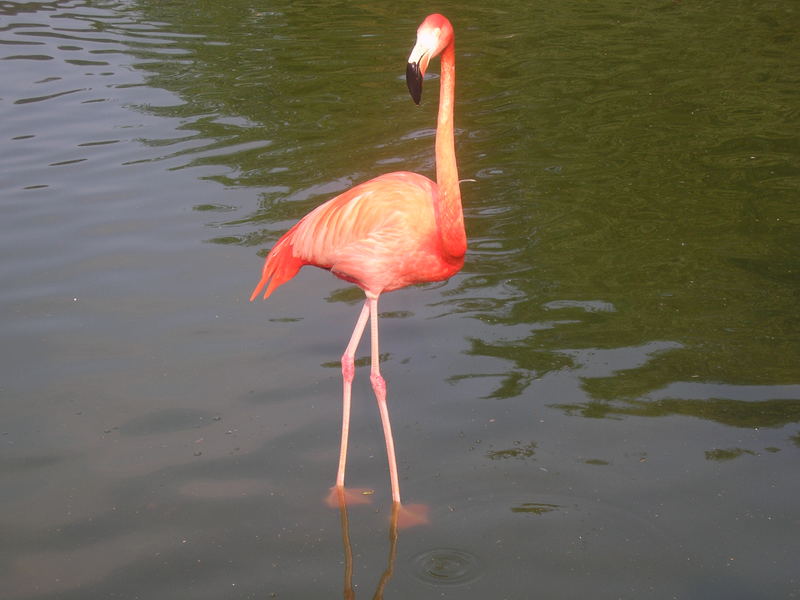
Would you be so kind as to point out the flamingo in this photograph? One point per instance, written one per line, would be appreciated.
(392, 231)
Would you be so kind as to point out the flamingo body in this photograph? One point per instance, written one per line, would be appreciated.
(381, 235)
(392, 231)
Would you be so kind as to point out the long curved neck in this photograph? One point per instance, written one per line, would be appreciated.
(451, 218)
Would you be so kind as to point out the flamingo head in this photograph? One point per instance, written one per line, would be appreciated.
(433, 36)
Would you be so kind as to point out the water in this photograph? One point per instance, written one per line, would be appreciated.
(604, 401)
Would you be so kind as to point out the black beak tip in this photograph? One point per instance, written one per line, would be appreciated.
(414, 81)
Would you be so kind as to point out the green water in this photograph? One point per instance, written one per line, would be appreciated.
(604, 402)
(644, 158)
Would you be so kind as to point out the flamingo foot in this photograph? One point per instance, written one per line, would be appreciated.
(341, 496)
(409, 515)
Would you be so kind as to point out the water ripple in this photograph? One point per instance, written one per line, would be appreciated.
(446, 567)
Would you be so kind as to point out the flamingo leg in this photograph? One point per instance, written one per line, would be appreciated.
(407, 516)
(348, 372)
(379, 387)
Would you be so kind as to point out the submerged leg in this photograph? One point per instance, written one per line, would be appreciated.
(348, 371)
(414, 514)
(379, 387)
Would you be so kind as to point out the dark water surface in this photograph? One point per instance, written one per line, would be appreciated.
(604, 403)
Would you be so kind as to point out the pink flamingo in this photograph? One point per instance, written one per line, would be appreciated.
(396, 230)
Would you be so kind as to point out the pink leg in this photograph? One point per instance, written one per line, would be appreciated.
(414, 514)
(339, 494)
(379, 386)
(348, 372)
(409, 515)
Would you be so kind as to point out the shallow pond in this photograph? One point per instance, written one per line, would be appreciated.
(604, 403)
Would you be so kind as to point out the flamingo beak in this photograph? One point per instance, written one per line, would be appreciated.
(417, 65)
(414, 81)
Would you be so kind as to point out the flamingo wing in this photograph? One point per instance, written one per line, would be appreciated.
(380, 234)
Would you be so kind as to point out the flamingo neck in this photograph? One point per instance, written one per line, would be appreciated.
(451, 218)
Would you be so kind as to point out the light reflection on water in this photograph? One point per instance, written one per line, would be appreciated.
(607, 397)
